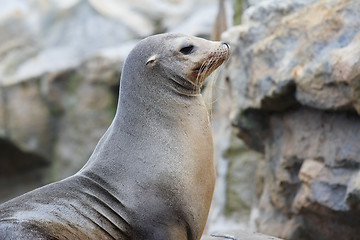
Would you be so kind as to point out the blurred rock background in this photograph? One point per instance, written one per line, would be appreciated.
(285, 107)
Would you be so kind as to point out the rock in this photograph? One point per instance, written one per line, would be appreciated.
(241, 235)
(28, 127)
(124, 12)
(84, 104)
(302, 187)
(21, 170)
(199, 23)
(38, 39)
(293, 81)
(287, 52)
(352, 197)
(240, 192)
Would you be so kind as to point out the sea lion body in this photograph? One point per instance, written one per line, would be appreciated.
(151, 176)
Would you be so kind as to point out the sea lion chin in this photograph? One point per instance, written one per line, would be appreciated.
(151, 176)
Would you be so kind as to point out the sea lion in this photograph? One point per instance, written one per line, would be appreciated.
(151, 176)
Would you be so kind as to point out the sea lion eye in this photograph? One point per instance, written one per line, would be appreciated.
(187, 50)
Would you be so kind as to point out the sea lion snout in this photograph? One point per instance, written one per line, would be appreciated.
(227, 49)
(226, 44)
(217, 54)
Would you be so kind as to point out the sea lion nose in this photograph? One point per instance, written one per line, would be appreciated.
(227, 45)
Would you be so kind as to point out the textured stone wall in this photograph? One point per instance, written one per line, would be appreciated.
(294, 85)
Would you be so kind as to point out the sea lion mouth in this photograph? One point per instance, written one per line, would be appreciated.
(210, 64)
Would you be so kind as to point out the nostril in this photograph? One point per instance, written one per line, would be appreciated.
(228, 46)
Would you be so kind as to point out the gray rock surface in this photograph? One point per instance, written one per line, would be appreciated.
(313, 161)
(293, 80)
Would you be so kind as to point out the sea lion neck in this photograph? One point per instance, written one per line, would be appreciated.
(147, 107)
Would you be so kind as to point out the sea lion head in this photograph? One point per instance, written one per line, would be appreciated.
(184, 60)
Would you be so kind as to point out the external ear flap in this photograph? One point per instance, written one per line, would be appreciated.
(151, 61)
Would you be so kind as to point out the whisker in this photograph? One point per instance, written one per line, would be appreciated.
(199, 73)
(199, 77)
(206, 68)
(209, 66)
(211, 87)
